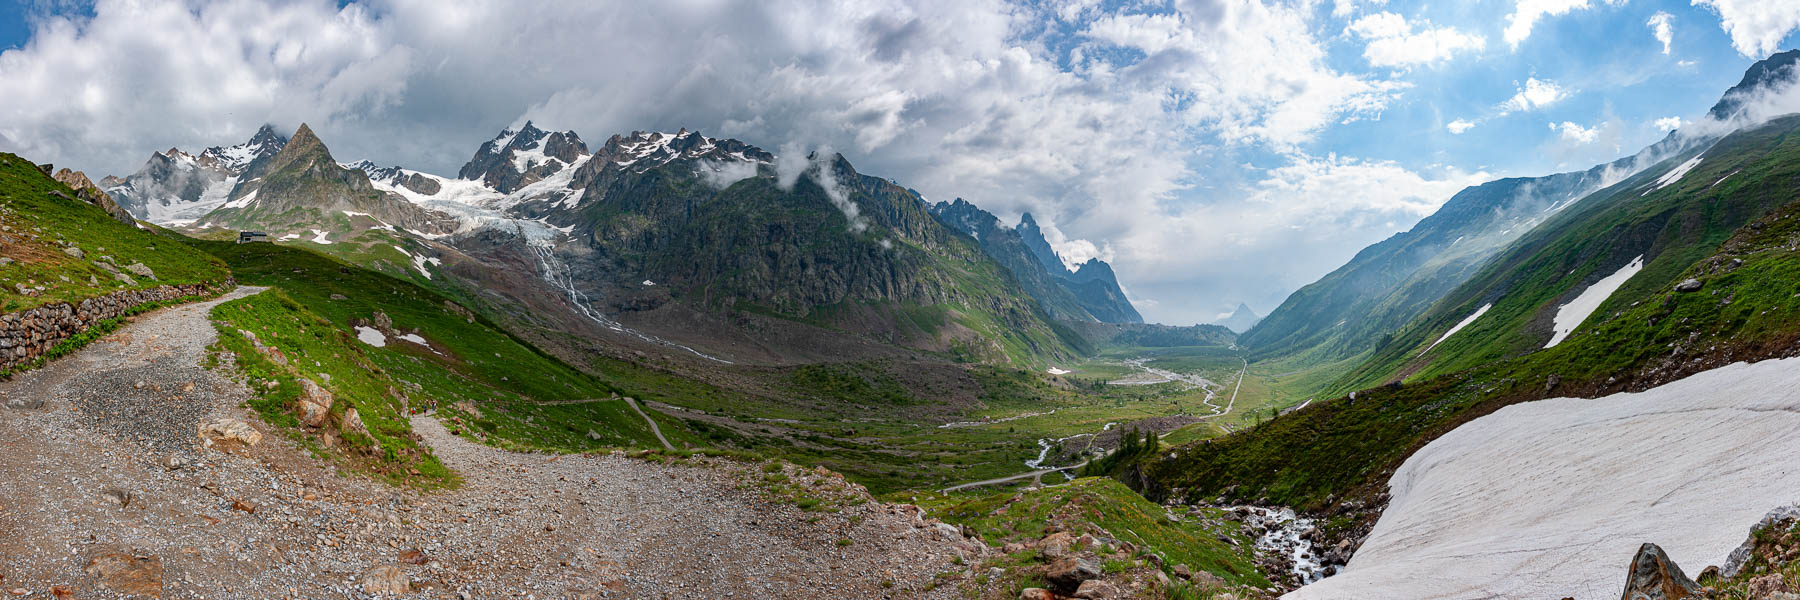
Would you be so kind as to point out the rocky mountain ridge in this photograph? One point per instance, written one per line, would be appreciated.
(175, 187)
(1089, 293)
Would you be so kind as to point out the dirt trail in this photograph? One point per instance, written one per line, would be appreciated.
(86, 474)
(653, 428)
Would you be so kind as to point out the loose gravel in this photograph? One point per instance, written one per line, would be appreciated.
(105, 465)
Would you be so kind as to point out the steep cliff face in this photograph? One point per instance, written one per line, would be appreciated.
(1089, 293)
(713, 224)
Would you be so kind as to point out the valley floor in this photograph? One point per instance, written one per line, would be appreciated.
(1552, 499)
(104, 488)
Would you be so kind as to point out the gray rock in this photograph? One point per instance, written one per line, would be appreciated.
(1690, 285)
(1654, 577)
(1735, 561)
(73, 251)
(1068, 573)
(138, 268)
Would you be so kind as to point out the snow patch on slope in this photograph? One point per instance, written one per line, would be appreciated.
(1551, 499)
(1675, 174)
(1464, 323)
(1572, 314)
(371, 336)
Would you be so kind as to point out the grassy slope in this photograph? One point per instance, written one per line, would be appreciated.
(472, 370)
(1672, 228)
(1105, 508)
(39, 223)
(1646, 335)
(320, 350)
(473, 347)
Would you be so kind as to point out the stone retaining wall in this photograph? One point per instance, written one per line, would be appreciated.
(28, 334)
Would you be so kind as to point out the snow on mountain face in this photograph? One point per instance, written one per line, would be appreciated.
(177, 188)
(642, 151)
(236, 158)
(515, 159)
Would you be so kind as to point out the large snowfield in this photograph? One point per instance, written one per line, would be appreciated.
(1551, 499)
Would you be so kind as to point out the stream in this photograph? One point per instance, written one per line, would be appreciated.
(1283, 533)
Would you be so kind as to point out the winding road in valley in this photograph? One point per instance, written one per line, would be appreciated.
(1194, 380)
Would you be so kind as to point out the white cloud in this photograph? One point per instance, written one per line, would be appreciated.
(1756, 26)
(1660, 27)
(1100, 132)
(1535, 94)
(1344, 8)
(1298, 222)
(1393, 43)
(1574, 133)
(1526, 14)
(1459, 126)
(1668, 124)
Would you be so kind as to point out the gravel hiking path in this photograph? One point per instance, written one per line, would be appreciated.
(653, 428)
(90, 506)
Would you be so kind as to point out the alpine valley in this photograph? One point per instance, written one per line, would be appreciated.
(670, 365)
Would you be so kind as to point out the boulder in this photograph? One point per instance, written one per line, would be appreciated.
(138, 268)
(226, 432)
(314, 403)
(1654, 577)
(1210, 581)
(127, 574)
(386, 579)
(1098, 589)
(1056, 544)
(1689, 285)
(1767, 586)
(1068, 573)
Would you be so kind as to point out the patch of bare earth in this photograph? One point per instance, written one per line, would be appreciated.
(106, 491)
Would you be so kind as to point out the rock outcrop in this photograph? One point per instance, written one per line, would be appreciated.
(1655, 577)
(90, 193)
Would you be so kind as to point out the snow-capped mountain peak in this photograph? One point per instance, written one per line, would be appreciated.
(643, 150)
(515, 159)
(266, 142)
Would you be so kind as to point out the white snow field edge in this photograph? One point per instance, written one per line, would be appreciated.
(1572, 314)
(1551, 499)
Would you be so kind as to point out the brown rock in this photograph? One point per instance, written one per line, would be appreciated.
(226, 433)
(1098, 589)
(414, 557)
(243, 506)
(387, 579)
(1208, 580)
(314, 403)
(1767, 585)
(1183, 572)
(1654, 577)
(1036, 594)
(1056, 544)
(127, 574)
